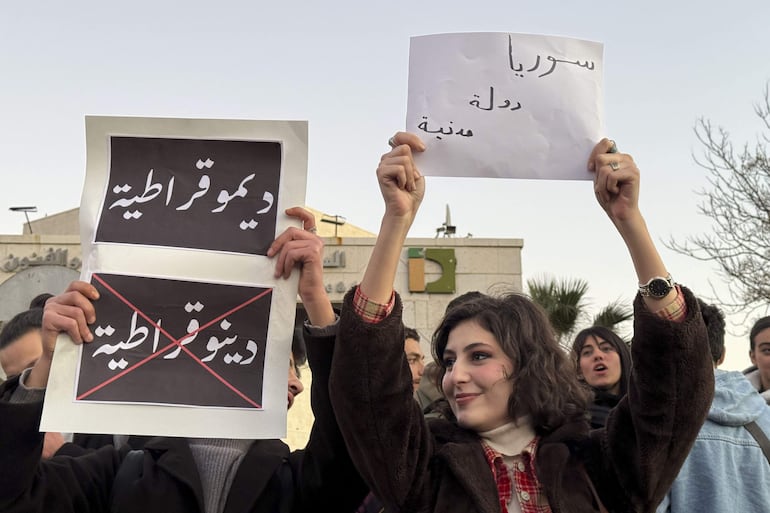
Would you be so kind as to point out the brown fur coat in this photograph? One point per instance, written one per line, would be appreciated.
(414, 465)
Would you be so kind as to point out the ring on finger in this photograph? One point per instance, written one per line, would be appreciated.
(614, 165)
(392, 142)
(613, 148)
(312, 229)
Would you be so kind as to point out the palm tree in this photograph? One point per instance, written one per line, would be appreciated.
(565, 302)
(613, 314)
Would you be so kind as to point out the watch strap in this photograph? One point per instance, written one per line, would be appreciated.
(645, 289)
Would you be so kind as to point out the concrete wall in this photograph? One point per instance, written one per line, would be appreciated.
(482, 264)
(62, 223)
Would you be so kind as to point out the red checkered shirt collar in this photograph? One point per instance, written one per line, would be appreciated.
(529, 492)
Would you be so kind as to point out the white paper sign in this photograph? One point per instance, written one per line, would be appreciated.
(193, 332)
(505, 105)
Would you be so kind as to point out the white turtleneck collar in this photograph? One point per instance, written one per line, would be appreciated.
(511, 438)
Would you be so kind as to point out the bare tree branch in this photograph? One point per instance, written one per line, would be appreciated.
(738, 204)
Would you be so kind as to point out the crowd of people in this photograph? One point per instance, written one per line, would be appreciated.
(502, 420)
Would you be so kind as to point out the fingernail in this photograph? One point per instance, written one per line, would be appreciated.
(89, 337)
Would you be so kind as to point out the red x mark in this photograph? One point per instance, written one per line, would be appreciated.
(174, 343)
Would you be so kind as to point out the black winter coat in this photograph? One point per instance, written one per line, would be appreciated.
(270, 479)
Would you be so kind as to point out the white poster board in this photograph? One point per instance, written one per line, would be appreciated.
(193, 332)
(505, 105)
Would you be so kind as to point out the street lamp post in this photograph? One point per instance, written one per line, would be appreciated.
(336, 220)
(26, 211)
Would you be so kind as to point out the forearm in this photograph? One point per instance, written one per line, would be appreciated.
(25, 392)
(318, 308)
(20, 441)
(38, 376)
(650, 432)
(325, 438)
(646, 259)
(371, 391)
(67, 485)
(380, 274)
(328, 478)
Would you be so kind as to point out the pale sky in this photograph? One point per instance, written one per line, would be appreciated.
(343, 65)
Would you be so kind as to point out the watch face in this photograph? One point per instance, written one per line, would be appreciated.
(659, 287)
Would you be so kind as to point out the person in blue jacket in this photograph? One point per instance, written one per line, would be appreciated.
(726, 470)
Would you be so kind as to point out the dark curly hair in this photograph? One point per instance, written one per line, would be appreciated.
(543, 381)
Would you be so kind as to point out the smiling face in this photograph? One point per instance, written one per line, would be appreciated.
(760, 356)
(600, 364)
(477, 382)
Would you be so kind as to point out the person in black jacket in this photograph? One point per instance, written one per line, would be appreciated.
(179, 474)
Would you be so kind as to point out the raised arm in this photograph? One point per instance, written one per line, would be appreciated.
(371, 383)
(402, 188)
(303, 249)
(324, 476)
(616, 185)
(650, 432)
(64, 484)
(71, 313)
